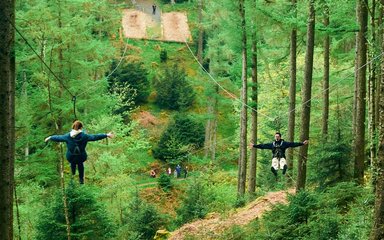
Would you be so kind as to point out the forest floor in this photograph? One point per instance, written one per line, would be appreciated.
(143, 23)
(215, 224)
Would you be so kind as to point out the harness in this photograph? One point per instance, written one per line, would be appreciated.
(277, 151)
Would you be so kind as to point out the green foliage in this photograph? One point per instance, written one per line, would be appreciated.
(341, 212)
(194, 204)
(234, 233)
(141, 219)
(181, 136)
(357, 223)
(332, 164)
(163, 56)
(165, 182)
(300, 207)
(173, 90)
(132, 74)
(84, 211)
(325, 225)
(240, 202)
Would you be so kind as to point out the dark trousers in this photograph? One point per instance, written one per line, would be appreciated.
(80, 166)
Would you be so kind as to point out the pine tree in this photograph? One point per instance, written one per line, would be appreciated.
(88, 218)
(306, 99)
(7, 117)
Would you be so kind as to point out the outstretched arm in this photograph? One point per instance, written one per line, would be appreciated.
(56, 138)
(96, 137)
(261, 146)
(296, 144)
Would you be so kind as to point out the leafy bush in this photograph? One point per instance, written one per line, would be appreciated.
(341, 212)
(300, 207)
(135, 76)
(165, 182)
(84, 211)
(173, 90)
(141, 219)
(325, 225)
(194, 205)
(332, 164)
(163, 56)
(181, 135)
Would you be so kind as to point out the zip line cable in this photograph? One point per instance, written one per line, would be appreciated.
(46, 65)
(225, 90)
(74, 112)
(337, 82)
(287, 113)
(110, 74)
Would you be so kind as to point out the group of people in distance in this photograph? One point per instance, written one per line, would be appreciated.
(177, 172)
(77, 140)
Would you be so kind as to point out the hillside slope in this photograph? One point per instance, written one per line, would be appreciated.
(211, 227)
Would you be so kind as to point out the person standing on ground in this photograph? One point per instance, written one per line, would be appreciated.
(76, 141)
(178, 170)
(153, 173)
(278, 148)
(154, 9)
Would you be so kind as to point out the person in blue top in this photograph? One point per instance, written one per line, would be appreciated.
(178, 170)
(76, 141)
(278, 148)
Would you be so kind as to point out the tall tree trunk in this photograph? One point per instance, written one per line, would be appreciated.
(7, 116)
(380, 39)
(243, 117)
(362, 16)
(377, 232)
(306, 98)
(380, 68)
(210, 128)
(253, 158)
(292, 95)
(374, 68)
(201, 33)
(60, 129)
(326, 76)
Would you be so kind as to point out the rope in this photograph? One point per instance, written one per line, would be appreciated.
(337, 82)
(110, 74)
(46, 65)
(74, 106)
(225, 90)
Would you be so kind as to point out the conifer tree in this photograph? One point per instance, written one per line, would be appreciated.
(361, 60)
(7, 116)
(306, 99)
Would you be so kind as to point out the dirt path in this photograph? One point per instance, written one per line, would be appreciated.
(141, 23)
(216, 224)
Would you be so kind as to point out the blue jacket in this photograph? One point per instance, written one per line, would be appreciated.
(278, 147)
(79, 140)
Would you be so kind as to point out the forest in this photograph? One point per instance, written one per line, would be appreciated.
(187, 138)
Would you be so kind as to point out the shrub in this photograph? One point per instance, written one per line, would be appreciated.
(165, 182)
(83, 209)
(300, 207)
(173, 90)
(142, 219)
(194, 204)
(163, 56)
(179, 137)
(135, 75)
(332, 164)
